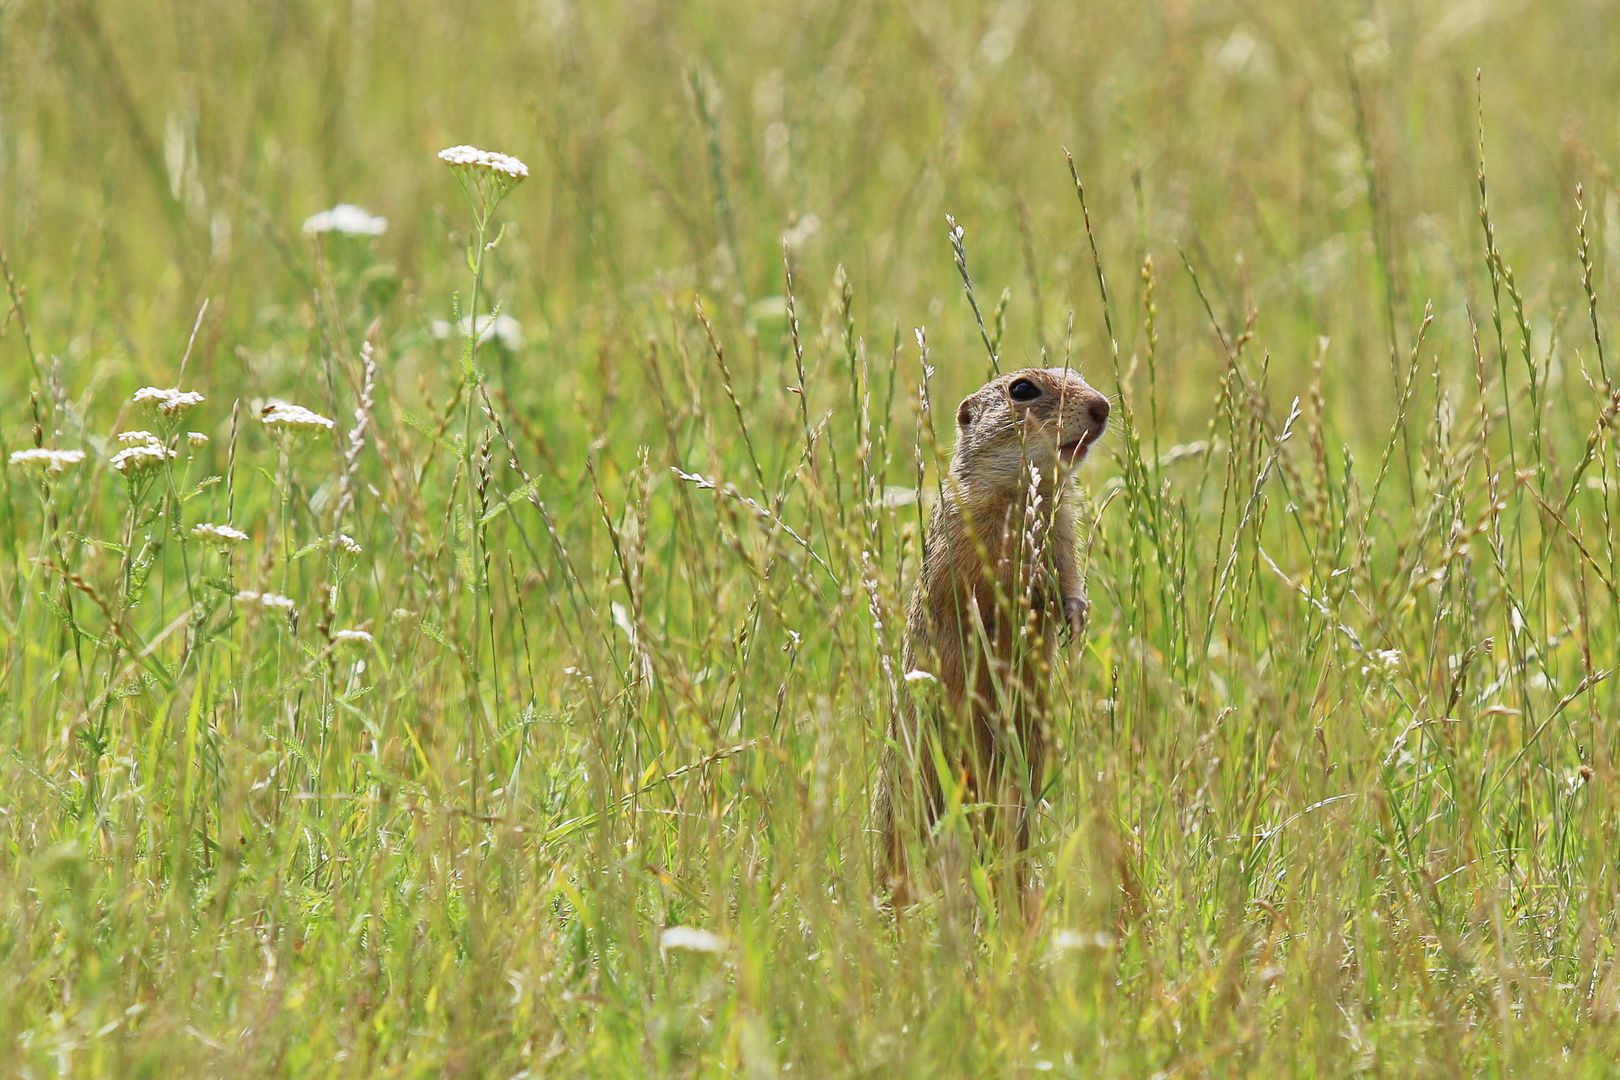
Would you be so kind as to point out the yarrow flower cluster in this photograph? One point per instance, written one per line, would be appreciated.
(1386, 661)
(352, 637)
(196, 438)
(505, 330)
(346, 219)
(690, 939)
(141, 457)
(50, 460)
(348, 544)
(802, 231)
(172, 402)
(485, 177)
(269, 601)
(283, 416)
(137, 438)
(470, 157)
(222, 534)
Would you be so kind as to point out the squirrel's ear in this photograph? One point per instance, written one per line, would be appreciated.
(964, 413)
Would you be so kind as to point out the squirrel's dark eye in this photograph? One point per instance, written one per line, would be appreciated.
(1023, 390)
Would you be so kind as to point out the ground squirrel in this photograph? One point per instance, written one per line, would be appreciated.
(1000, 582)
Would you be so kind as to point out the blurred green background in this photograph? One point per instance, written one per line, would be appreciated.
(157, 153)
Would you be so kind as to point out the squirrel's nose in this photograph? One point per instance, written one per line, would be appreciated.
(1099, 410)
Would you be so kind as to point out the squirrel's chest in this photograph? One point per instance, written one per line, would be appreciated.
(991, 579)
(993, 595)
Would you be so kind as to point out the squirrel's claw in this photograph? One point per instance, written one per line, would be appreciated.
(1075, 610)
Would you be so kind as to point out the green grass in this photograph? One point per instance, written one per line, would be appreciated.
(1335, 783)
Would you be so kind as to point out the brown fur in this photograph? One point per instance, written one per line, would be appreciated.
(1000, 581)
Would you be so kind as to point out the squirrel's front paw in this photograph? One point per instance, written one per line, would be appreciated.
(1075, 610)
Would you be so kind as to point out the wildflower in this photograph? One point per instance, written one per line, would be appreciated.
(917, 675)
(485, 179)
(348, 544)
(1385, 660)
(347, 219)
(141, 458)
(138, 438)
(802, 231)
(269, 601)
(172, 402)
(470, 158)
(356, 637)
(196, 438)
(768, 309)
(1070, 940)
(281, 415)
(690, 939)
(507, 331)
(50, 460)
(223, 534)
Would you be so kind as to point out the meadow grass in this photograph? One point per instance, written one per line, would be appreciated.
(514, 706)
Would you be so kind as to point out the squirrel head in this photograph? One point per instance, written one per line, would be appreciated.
(1048, 418)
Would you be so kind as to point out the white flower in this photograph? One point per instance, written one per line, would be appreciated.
(507, 331)
(917, 675)
(224, 534)
(802, 231)
(268, 600)
(691, 939)
(141, 458)
(345, 218)
(1069, 940)
(473, 158)
(138, 438)
(280, 414)
(51, 460)
(767, 308)
(348, 544)
(196, 438)
(1385, 660)
(460, 155)
(356, 637)
(170, 402)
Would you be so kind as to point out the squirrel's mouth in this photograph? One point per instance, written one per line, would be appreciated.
(1074, 451)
